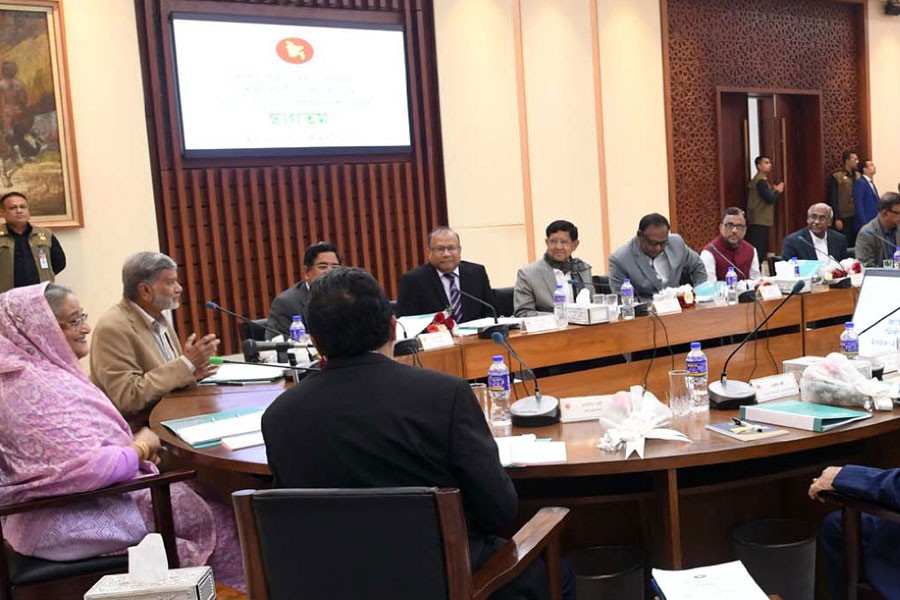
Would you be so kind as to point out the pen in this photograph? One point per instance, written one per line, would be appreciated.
(741, 423)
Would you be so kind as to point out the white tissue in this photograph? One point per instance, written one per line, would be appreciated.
(583, 298)
(147, 562)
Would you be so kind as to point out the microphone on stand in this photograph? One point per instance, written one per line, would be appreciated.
(531, 411)
(406, 346)
(725, 394)
(488, 332)
(746, 295)
(297, 372)
(843, 282)
(213, 306)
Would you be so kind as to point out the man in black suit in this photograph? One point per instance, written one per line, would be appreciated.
(816, 241)
(318, 259)
(434, 287)
(368, 421)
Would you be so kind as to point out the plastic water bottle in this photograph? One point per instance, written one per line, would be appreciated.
(796, 266)
(698, 374)
(298, 330)
(849, 341)
(498, 387)
(627, 292)
(731, 278)
(559, 307)
(897, 258)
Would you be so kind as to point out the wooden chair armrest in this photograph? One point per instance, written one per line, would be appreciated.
(536, 536)
(150, 481)
(873, 508)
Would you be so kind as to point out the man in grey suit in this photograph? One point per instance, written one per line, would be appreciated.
(654, 260)
(318, 259)
(880, 237)
(536, 282)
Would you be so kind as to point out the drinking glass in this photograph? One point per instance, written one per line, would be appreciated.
(887, 263)
(484, 399)
(680, 400)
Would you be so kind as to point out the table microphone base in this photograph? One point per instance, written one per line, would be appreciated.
(486, 333)
(533, 412)
(406, 347)
(731, 394)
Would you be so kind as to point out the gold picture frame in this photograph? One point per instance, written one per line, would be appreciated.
(37, 137)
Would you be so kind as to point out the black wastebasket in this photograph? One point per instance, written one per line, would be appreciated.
(780, 555)
(604, 572)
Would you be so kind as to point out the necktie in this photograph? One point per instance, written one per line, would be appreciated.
(455, 304)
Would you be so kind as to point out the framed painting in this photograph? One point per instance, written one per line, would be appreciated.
(37, 139)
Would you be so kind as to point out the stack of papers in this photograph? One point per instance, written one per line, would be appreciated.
(471, 327)
(521, 450)
(728, 580)
(209, 430)
(232, 373)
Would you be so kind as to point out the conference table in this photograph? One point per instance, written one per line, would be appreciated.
(681, 499)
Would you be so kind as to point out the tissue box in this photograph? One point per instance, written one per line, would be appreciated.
(796, 366)
(587, 314)
(192, 583)
(787, 284)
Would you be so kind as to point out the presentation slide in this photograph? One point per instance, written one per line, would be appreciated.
(259, 85)
(879, 296)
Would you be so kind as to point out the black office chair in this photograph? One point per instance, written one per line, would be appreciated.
(503, 301)
(850, 525)
(29, 577)
(256, 331)
(398, 543)
(601, 284)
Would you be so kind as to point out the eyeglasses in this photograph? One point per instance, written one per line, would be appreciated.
(558, 242)
(447, 249)
(75, 322)
(819, 218)
(654, 243)
(896, 212)
(735, 226)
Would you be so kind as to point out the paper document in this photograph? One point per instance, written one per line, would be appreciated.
(728, 580)
(245, 440)
(233, 372)
(488, 321)
(216, 429)
(528, 450)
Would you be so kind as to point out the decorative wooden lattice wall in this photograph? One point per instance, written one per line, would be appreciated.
(771, 44)
(238, 228)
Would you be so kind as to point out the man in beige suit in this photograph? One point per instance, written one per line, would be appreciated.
(136, 357)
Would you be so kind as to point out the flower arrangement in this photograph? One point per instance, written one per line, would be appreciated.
(442, 321)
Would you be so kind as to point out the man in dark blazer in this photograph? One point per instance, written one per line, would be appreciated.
(865, 194)
(318, 259)
(435, 287)
(366, 420)
(880, 539)
(827, 242)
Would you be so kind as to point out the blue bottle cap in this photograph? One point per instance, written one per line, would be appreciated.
(626, 280)
(695, 345)
(849, 324)
(498, 358)
(296, 318)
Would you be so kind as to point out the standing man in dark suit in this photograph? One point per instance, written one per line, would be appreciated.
(436, 286)
(816, 241)
(865, 194)
(317, 260)
(368, 421)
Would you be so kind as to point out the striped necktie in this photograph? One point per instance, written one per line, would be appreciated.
(455, 299)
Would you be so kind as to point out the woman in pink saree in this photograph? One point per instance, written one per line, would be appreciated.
(59, 434)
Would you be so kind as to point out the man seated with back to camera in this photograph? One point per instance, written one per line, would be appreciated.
(368, 421)
(318, 259)
(729, 249)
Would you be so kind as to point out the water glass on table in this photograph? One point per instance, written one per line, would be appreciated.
(481, 394)
(680, 399)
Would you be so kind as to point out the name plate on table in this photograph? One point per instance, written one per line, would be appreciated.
(775, 387)
(581, 408)
(769, 292)
(667, 306)
(540, 323)
(433, 341)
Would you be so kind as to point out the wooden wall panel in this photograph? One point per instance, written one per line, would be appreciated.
(238, 229)
(771, 44)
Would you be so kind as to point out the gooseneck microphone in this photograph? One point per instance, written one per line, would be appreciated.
(488, 332)
(725, 394)
(843, 282)
(725, 258)
(213, 306)
(221, 360)
(407, 345)
(531, 411)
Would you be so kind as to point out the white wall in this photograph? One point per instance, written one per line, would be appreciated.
(112, 149)
(884, 87)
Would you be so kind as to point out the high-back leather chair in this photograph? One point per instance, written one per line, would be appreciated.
(24, 577)
(256, 330)
(398, 543)
(503, 299)
(850, 530)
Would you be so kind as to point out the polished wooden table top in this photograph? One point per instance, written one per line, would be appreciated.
(583, 456)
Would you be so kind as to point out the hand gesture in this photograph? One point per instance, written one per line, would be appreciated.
(199, 351)
(780, 187)
(823, 482)
(838, 224)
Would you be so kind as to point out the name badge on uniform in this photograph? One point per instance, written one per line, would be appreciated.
(42, 259)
